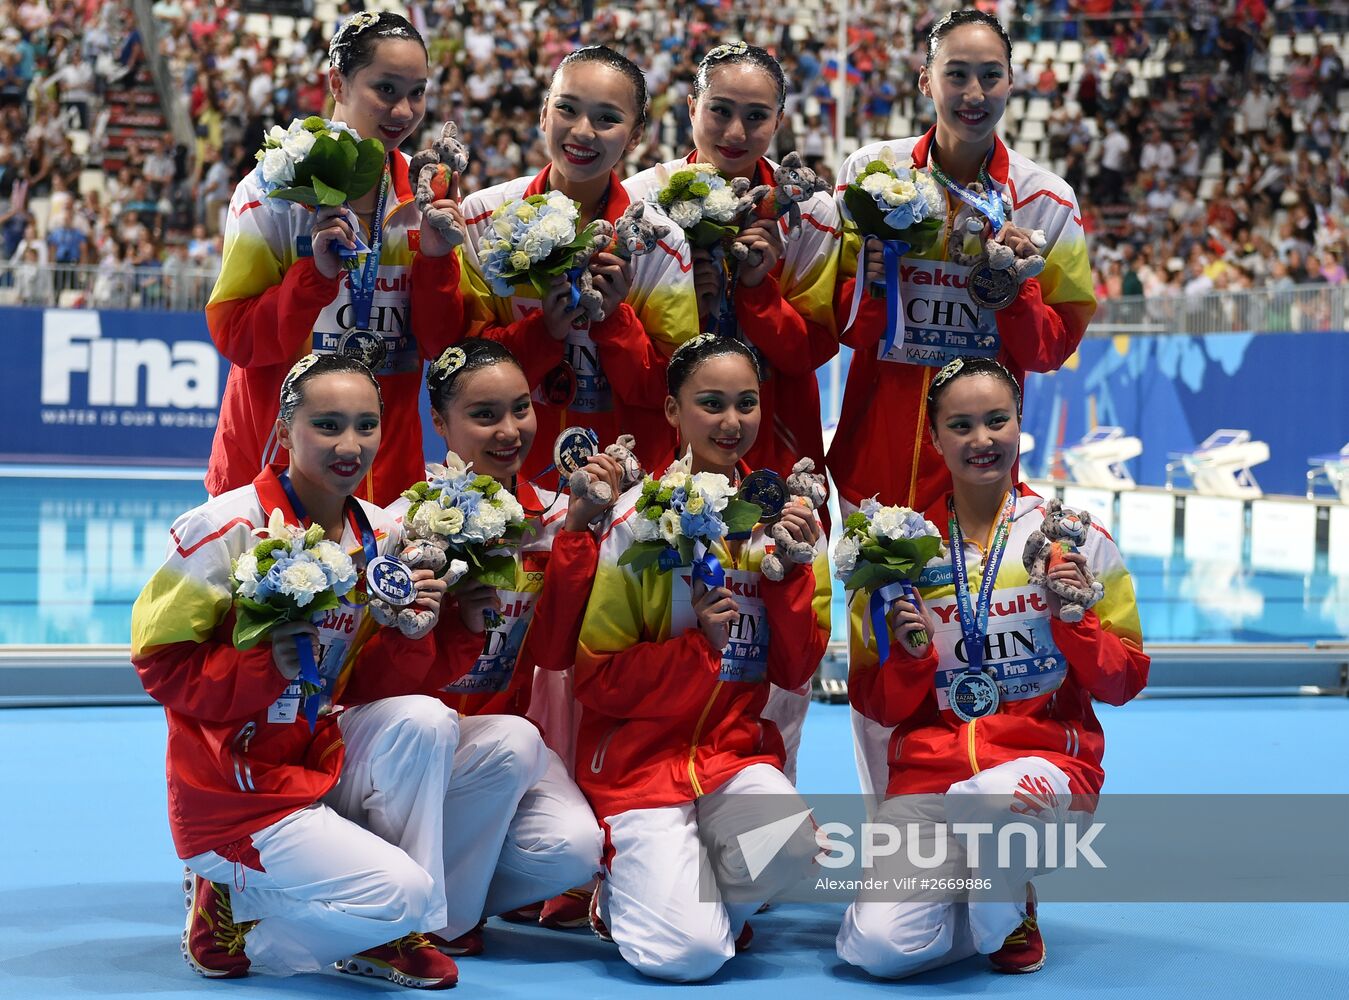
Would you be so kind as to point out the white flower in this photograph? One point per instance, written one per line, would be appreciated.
(888, 523)
(643, 528)
(297, 146)
(686, 214)
(899, 193)
(932, 194)
(715, 487)
(277, 135)
(488, 523)
(337, 564)
(277, 167)
(421, 521)
(510, 507)
(845, 556)
(720, 204)
(537, 245)
(446, 521)
(246, 573)
(669, 527)
(870, 506)
(874, 184)
(302, 580)
(674, 477)
(557, 228)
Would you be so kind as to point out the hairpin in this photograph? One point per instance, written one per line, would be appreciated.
(449, 362)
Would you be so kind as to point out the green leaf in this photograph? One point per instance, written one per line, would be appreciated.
(640, 555)
(497, 571)
(868, 576)
(325, 159)
(302, 195)
(328, 196)
(252, 622)
(707, 234)
(368, 168)
(741, 515)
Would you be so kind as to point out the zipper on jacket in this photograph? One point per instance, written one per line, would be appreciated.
(969, 746)
(697, 734)
(601, 751)
(243, 772)
(918, 436)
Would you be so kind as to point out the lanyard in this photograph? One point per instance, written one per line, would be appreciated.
(360, 524)
(988, 204)
(974, 621)
(363, 293)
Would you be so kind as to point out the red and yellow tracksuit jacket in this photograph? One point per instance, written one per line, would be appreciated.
(789, 318)
(1048, 670)
(271, 306)
(665, 717)
(616, 367)
(240, 754)
(881, 446)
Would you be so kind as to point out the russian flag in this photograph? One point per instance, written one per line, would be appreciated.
(831, 72)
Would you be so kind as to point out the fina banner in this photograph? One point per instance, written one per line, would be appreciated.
(114, 387)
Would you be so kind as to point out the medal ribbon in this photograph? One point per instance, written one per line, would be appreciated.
(989, 204)
(974, 621)
(363, 292)
(894, 295)
(706, 566)
(309, 671)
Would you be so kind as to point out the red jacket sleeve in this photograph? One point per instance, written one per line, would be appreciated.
(651, 680)
(211, 680)
(531, 343)
(631, 362)
(894, 691)
(869, 325)
(388, 665)
(774, 327)
(270, 328)
(1037, 336)
(1109, 668)
(437, 303)
(556, 626)
(796, 642)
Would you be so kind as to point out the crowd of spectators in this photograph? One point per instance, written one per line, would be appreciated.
(1222, 166)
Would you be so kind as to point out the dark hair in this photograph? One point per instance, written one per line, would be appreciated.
(310, 367)
(956, 19)
(353, 46)
(731, 53)
(614, 60)
(470, 355)
(960, 368)
(691, 355)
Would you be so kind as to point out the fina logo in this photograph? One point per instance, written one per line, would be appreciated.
(184, 375)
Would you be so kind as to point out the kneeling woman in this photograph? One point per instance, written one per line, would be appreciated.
(1008, 736)
(325, 838)
(543, 839)
(673, 747)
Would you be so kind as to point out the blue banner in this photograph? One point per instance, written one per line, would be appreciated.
(113, 387)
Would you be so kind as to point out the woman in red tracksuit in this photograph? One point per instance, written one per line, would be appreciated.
(282, 290)
(1007, 735)
(672, 678)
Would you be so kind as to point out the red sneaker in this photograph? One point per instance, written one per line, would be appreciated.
(213, 944)
(1024, 949)
(596, 922)
(571, 909)
(523, 914)
(410, 961)
(467, 944)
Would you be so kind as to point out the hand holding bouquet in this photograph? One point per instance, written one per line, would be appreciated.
(680, 515)
(292, 575)
(320, 164)
(883, 549)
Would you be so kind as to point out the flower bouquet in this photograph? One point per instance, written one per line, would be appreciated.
(533, 240)
(292, 575)
(883, 549)
(904, 208)
(679, 516)
(320, 163)
(700, 201)
(475, 520)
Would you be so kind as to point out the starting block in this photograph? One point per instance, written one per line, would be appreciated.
(1334, 469)
(1221, 465)
(1098, 459)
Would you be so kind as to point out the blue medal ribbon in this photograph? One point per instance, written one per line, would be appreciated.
(574, 289)
(706, 567)
(974, 620)
(894, 299)
(363, 292)
(989, 204)
(309, 670)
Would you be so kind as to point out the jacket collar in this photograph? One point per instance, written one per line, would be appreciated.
(616, 205)
(997, 164)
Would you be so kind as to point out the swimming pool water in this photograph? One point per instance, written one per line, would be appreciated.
(76, 553)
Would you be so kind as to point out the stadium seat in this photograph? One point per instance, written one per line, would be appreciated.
(1037, 109)
(1280, 45)
(1070, 51)
(1305, 45)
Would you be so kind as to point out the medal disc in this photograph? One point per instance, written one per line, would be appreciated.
(574, 447)
(390, 581)
(990, 288)
(559, 386)
(973, 695)
(365, 346)
(767, 490)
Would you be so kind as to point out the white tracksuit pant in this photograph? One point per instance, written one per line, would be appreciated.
(517, 830)
(666, 926)
(787, 710)
(893, 938)
(362, 867)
